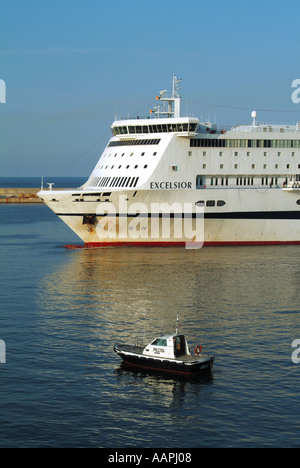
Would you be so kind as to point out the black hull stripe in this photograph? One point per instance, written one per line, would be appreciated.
(276, 215)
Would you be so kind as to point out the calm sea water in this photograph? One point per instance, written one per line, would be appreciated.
(62, 311)
(36, 182)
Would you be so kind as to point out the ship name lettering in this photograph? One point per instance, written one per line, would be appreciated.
(170, 185)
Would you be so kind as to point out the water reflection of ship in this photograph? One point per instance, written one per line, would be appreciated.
(172, 389)
(138, 291)
(124, 288)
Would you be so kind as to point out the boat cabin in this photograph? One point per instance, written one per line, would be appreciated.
(168, 346)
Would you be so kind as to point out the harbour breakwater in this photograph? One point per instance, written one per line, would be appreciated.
(19, 195)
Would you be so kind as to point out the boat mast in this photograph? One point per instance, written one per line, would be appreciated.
(173, 103)
(177, 325)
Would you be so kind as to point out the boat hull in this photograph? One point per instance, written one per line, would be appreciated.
(173, 366)
(248, 217)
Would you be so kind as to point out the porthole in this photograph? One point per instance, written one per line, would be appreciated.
(210, 203)
(298, 202)
(200, 203)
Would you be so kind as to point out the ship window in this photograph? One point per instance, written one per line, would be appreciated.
(200, 181)
(210, 203)
(134, 142)
(193, 127)
(221, 203)
(298, 202)
(200, 203)
(159, 342)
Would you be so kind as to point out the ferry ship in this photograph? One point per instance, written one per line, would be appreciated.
(235, 187)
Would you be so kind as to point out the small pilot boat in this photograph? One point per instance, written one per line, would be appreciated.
(167, 353)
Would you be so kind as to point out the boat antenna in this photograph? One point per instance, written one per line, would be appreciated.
(177, 325)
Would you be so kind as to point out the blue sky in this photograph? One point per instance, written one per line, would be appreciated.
(71, 66)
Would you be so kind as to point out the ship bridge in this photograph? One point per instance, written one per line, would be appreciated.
(181, 126)
(164, 118)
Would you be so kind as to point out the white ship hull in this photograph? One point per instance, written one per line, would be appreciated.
(276, 219)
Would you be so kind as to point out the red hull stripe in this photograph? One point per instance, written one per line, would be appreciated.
(92, 245)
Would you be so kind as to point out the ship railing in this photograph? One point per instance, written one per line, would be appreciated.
(267, 127)
(138, 342)
(293, 182)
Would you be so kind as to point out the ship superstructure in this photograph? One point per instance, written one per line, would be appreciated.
(172, 180)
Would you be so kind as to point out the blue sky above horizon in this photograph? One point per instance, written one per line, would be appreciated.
(71, 66)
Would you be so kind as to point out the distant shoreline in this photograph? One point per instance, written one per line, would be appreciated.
(22, 190)
(19, 195)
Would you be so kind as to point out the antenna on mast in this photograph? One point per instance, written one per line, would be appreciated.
(176, 88)
(171, 105)
(177, 325)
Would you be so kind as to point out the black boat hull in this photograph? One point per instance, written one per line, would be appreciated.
(191, 367)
